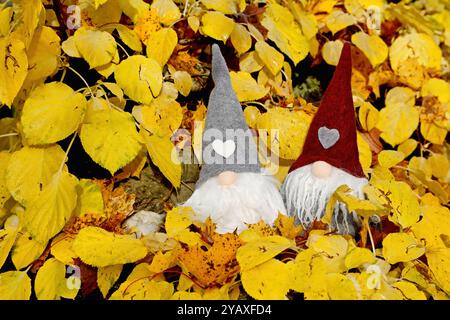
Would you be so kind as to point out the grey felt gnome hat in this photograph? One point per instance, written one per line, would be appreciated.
(227, 143)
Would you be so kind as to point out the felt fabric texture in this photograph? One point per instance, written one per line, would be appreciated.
(336, 111)
(225, 121)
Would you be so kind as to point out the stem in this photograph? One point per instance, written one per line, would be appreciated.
(186, 4)
(123, 49)
(81, 77)
(66, 155)
(370, 236)
(9, 135)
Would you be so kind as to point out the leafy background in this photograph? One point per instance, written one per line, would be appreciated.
(90, 117)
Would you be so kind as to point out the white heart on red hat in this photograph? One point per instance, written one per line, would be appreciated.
(328, 137)
(225, 149)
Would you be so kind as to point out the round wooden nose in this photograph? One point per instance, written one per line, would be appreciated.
(321, 169)
(227, 178)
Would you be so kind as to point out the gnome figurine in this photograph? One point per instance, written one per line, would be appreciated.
(232, 189)
(330, 157)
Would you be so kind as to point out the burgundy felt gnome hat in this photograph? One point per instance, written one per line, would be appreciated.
(332, 133)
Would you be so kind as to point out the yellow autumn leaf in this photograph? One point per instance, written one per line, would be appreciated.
(251, 115)
(267, 281)
(365, 154)
(216, 25)
(401, 247)
(440, 165)
(98, 3)
(107, 276)
(61, 248)
(246, 87)
(183, 295)
(338, 20)
(409, 290)
(285, 32)
(250, 62)
(69, 47)
(26, 250)
(368, 116)
(433, 132)
(407, 147)
(331, 51)
(49, 212)
(194, 23)
(272, 59)
(161, 45)
(13, 69)
(373, 47)
(110, 138)
(96, 47)
(434, 227)
(436, 88)
(183, 82)
(398, 120)
(162, 117)
(241, 39)
(164, 155)
(286, 131)
(177, 222)
(167, 11)
(51, 283)
(90, 199)
(8, 236)
(146, 289)
(340, 287)
(5, 18)
(163, 261)
(100, 248)
(129, 37)
(438, 262)
(261, 250)
(25, 178)
(389, 158)
(15, 285)
(224, 6)
(140, 78)
(51, 113)
(357, 257)
(43, 54)
(4, 192)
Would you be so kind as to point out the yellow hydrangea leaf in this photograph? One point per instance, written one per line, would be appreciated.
(183, 295)
(438, 261)
(285, 32)
(398, 120)
(7, 237)
(134, 8)
(224, 6)
(246, 87)
(162, 117)
(407, 147)
(267, 281)
(365, 154)
(368, 116)
(389, 158)
(338, 20)
(331, 51)
(357, 257)
(49, 212)
(164, 155)
(15, 285)
(167, 10)
(25, 179)
(409, 290)
(5, 18)
(110, 138)
(286, 131)
(100, 248)
(51, 283)
(272, 59)
(432, 132)
(161, 45)
(145, 289)
(251, 115)
(401, 247)
(98, 3)
(373, 47)
(90, 199)
(241, 39)
(26, 250)
(129, 37)
(51, 113)
(96, 47)
(140, 78)
(61, 248)
(340, 287)
(107, 276)
(177, 222)
(183, 82)
(261, 250)
(163, 261)
(43, 54)
(440, 165)
(13, 69)
(287, 226)
(434, 226)
(216, 25)
(194, 23)
(419, 46)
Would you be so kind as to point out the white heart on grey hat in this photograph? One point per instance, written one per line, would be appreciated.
(225, 149)
(328, 137)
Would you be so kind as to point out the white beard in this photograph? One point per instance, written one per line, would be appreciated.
(306, 197)
(252, 198)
